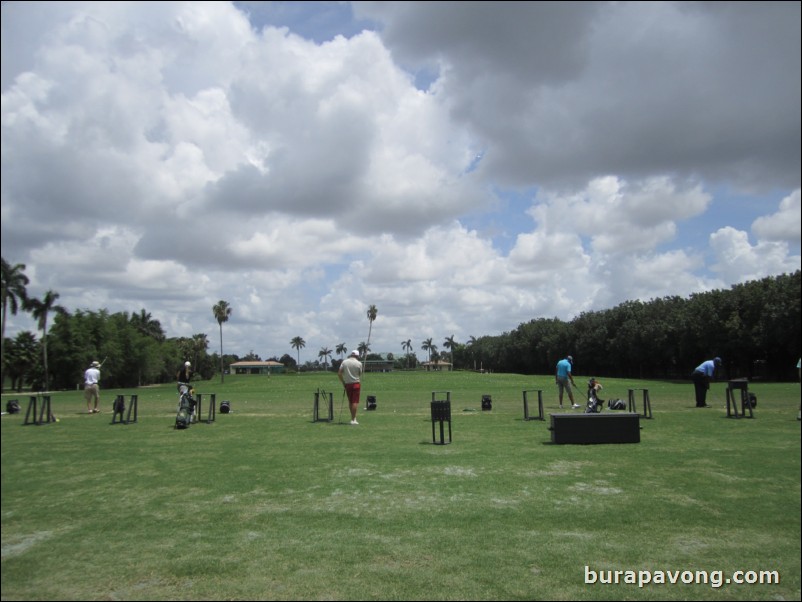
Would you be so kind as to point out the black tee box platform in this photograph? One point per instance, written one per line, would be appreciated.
(595, 428)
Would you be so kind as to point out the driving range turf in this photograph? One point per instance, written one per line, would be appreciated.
(265, 503)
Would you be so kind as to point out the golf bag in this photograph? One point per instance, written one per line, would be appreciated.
(13, 407)
(617, 404)
(186, 409)
(595, 404)
(118, 407)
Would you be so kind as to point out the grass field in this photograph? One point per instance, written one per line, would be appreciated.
(266, 504)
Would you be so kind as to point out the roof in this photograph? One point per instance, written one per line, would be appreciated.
(267, 364)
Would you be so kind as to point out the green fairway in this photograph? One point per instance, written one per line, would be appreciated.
(266, 504)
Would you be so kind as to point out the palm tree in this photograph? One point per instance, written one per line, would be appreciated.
(427, 347)
(40, 309)
(407, 346)
(325, 353)
(298, 343)
(341, 349)
(372, 313)
(14, 294)
(221, 313)
(363, 349)
(450, 344)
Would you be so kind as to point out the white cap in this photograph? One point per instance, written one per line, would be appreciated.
(187, 364)
(355, 353)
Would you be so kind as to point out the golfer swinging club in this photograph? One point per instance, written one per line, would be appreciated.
(565, 380)
(350, 374)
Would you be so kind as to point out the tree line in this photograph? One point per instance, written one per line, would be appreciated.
(133, 348)
(754, 326)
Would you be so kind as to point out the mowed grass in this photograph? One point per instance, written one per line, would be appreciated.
(266, 504)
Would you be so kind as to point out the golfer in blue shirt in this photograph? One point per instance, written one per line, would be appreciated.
(701, 377)
(565, 380)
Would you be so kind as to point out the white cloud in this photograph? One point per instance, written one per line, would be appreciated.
(738, 261)
(784, 225)
(168, 155)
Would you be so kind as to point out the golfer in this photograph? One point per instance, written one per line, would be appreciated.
(701, 377)
(183, 376)
(350, 374)
(565, 380)
(92, 387)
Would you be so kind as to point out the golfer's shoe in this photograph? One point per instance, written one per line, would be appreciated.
(575, 406)
(354, 422)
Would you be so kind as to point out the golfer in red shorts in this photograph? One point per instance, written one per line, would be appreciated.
(350, 374)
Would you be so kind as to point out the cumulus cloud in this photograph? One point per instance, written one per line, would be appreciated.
(630, 89)
(784, 224)
(462, 167)
(737, 260)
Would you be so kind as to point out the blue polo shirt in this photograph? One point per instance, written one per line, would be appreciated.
(563, 368)
(707, 368)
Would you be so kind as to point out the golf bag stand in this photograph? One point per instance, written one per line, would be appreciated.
(595, 404)
(186, 409)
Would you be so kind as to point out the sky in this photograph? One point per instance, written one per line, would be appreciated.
(464, 167)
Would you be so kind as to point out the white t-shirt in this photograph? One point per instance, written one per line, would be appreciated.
(92, 376)
(351, 370)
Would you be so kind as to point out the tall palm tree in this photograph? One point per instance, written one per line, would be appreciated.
(372, 313)
(14, 294)
(450, 344)
(407, 347)
(341, 349)
(427, 347)
(325, 353)
(40, 309)
(298, 343)
(221, 313)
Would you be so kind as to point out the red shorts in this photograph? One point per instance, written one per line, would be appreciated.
(352, 391)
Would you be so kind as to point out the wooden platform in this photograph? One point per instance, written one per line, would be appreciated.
(595, 428)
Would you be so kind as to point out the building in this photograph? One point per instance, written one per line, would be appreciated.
(269, 367)
(437, 365)
(384, 364)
